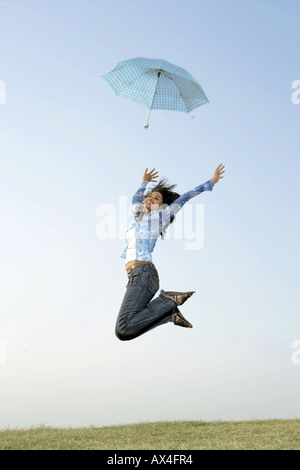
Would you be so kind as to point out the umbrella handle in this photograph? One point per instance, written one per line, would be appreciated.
(147, 123)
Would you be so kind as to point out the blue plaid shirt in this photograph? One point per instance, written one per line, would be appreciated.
(149, 227)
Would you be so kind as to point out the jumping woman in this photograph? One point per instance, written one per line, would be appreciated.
(153, 213)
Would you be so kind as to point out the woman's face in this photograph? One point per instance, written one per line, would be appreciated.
(153, 201)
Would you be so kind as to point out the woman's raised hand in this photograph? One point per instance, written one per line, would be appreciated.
(151, 176)
(218, 174)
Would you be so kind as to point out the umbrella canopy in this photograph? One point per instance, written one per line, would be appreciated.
(156, 84)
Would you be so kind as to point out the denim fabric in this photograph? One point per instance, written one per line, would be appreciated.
(138, 312)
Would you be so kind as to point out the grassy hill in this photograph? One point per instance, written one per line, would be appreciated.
(170, 435)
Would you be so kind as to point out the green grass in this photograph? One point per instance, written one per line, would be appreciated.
(170, 435)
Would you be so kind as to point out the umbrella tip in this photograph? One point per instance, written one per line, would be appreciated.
(146, 125)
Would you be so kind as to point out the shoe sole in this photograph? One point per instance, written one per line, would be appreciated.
(180, 293)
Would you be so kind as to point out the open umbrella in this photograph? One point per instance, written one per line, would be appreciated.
(156, 84)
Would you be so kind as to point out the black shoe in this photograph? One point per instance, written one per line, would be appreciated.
(180, 320)
(179, 297)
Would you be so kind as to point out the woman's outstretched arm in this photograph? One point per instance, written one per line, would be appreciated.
(171, 211)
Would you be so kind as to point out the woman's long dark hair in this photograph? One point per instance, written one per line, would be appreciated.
(168, 195)
(165, 190)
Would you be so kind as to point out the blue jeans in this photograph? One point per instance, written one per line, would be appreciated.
(139, 313)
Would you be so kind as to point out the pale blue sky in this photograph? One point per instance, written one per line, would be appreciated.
(68, 146)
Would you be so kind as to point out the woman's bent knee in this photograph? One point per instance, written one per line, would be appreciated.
(123, 336)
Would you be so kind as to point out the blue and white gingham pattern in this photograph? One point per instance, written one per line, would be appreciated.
(175, 89)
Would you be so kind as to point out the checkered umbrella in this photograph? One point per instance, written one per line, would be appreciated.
(156, 84)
